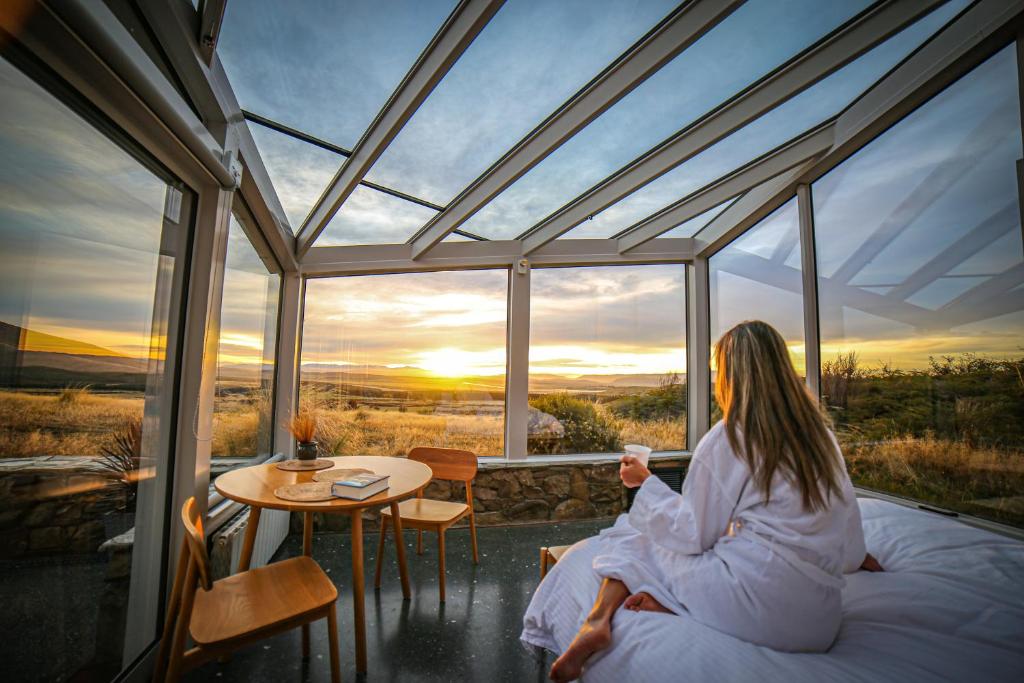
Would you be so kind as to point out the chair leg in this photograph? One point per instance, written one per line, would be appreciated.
(472, 537)
(543, 562)
(332, 641)
(380, 551)
(440, 559)
(419, 541)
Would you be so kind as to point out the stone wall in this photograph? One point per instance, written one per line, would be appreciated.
(57, 504)
(521, 494)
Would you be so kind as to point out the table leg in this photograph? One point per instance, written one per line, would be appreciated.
(250, 538)
(358, 604)
(403, 569)
(307, 550)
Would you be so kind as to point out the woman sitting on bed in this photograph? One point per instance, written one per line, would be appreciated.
(767, 523)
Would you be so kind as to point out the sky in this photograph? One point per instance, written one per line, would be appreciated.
(81, 220)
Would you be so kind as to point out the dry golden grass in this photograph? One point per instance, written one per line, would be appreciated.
(41, 424)
(660, 435)
(950, 474)
(38, 424)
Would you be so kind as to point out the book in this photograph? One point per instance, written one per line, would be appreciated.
(360, 486)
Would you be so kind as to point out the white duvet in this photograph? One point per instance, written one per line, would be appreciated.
(949, 607)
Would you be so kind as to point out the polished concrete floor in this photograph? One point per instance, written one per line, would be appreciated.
(474, 636)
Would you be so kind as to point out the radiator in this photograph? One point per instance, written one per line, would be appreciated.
(227, 541)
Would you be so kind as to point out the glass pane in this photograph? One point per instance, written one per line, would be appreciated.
(390, 362)
(324, 67)
(787, 121)
(758, 277)
(526, 62)
(703, 76)
(697, 223)
(89, 238)
(243, 422)
(372, 217)
(607, 359)
(299, 171)
(921, 326)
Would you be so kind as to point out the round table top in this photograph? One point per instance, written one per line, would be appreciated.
(255, 485)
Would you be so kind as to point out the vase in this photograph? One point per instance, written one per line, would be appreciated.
(307, 451)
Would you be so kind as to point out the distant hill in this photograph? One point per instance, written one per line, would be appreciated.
(31, 359)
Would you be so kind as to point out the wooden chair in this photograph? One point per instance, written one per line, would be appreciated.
(549, 556)
(224, 615)
(424, 514)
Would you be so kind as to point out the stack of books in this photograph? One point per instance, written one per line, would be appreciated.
(360, 486)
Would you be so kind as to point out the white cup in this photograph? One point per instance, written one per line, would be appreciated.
(641, 453)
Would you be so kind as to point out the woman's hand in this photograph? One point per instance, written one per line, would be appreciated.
(632, 471)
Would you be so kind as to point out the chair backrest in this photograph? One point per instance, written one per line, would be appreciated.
(196, 542)
(450, 464)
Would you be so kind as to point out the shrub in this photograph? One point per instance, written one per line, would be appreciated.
(586, 429)
(72, 394)
(666, 402)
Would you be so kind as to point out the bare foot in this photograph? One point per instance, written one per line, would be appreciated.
(644, 602)
(592, 638)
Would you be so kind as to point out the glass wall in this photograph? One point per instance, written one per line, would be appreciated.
(90, 237)
(390, 362)
(243, 423)
(758, 277)
(607, 359)
(921, 269)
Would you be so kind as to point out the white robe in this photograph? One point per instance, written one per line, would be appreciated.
(775, 580)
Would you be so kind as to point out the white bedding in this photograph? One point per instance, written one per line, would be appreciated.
(949, 607)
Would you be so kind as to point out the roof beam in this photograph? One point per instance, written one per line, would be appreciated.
(842, 46)
(749, 209)
(459, 30)
(680, 29)
(797, 151)
(397, 258)
(954, 51)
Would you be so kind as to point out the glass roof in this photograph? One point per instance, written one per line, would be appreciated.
(299, 170)
(805, 111)
(709, 72)
(372, 217)
(527, 61)
(321, 71)
(321, 66)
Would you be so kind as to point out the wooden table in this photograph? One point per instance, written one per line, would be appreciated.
(255, 487)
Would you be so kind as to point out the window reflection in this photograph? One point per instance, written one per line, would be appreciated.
(920, 265)
(391, 362)
(90, 239)
(758, 277)
(607, 359)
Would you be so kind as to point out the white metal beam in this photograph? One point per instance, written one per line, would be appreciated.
(451, 40)
(749, 209)
(957, 49)
(684, 26)
(809, 298)
(210, 91)
(794, 152)
(286, 366)
(829, 54)
(517, 369)
(397, 258)
(698, 352)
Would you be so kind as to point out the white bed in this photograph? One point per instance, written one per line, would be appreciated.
(949, 607)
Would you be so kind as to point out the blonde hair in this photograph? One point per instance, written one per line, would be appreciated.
(771, 420)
